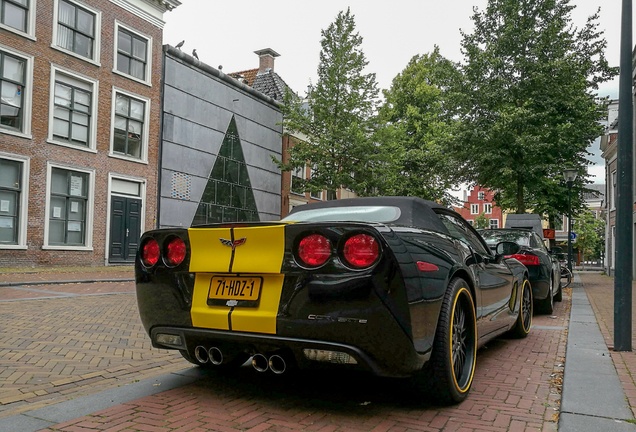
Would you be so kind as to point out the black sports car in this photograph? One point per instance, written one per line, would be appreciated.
(396, 286)
(544, 269)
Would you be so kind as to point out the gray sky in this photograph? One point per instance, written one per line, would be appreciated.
(227, 33)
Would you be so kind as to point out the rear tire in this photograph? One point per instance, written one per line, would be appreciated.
(559, 295)
(547, 305)
(524, 320)
(452, 364)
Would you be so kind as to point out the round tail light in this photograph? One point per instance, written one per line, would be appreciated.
(150, 253)
(176, 252)
(361, 250)
(314, 250)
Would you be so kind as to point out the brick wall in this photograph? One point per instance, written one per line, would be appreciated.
(41, 152)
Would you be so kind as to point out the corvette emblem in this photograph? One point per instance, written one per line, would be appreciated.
(233, 244)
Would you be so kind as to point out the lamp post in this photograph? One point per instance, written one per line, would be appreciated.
(570, 176)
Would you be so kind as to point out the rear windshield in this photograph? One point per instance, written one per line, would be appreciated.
(381, 214)
(493, 237)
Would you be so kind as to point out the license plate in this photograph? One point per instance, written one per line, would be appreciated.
(235, 291)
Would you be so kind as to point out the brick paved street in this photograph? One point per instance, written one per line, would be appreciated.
(84, 341)
(600, 292)
(56, 349)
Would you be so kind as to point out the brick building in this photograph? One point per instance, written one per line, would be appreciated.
(609, 147)
(79, 129)
(481, 201)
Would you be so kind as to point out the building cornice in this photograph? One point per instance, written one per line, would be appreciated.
(149, 10)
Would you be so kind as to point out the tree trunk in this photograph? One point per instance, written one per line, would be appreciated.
(521, 204)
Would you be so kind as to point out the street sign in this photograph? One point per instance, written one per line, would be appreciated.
(548, 234)
(572, 236)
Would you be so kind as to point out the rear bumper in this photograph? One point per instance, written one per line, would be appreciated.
(398, 366)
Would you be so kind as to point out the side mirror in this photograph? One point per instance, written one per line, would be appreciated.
(507, 248)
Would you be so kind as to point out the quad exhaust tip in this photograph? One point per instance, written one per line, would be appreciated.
(260, 363)
(201, 354)
(216, 356)
(277, 364)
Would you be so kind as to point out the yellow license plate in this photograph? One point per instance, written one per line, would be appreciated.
(235, 291)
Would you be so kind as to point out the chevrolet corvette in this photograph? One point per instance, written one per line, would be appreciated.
(396, 286)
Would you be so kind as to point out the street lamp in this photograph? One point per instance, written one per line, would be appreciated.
(570, 176)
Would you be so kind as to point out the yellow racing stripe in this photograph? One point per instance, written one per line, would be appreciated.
(261, 254)
(262, 251)
(207, 253)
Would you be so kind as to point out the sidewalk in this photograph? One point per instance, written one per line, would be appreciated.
(62, 275)
(598, 388)
(600, 292)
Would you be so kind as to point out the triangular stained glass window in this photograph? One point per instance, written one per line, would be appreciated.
(228, 196)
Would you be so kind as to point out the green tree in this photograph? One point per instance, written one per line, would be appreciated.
(590, 235)
(532, 108)
(337, 116)
(481, 221)
(420, 118)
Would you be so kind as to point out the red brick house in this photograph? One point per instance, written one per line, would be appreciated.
(79, 129)
(481, 201)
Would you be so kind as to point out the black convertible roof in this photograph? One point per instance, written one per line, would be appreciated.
(413, 211)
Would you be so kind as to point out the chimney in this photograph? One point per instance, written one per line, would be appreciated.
(266, 59)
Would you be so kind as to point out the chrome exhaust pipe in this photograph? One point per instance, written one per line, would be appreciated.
(259, 362)
(277, 364)
(216, 356)
(201, 354)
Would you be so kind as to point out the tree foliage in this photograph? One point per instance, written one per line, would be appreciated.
(420, 118)
(481, 221)
(531, 104)
(336, 119)
(590, 234)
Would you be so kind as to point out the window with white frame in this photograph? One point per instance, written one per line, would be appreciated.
(73, 110)
(13, 201)
(471, 222)
(481, 196)
(77, 29)
(315, 195)
(68, 207)
(613, 251)
(474, 209)
(15, 14)
(613, 192)
(13, 81)
(130, 126)
(487, 208)
(332, 194)
(493, 223)
(133, 53)
(297, 177)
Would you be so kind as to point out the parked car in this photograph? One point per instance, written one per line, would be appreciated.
(396, 286)
(543, 267)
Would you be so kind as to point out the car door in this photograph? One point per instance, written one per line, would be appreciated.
(494, 279)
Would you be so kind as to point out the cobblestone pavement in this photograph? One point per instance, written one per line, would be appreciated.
(600, 291)
(76, 341)
(83, 344)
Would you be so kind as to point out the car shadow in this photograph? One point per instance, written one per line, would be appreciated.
(335, 390)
